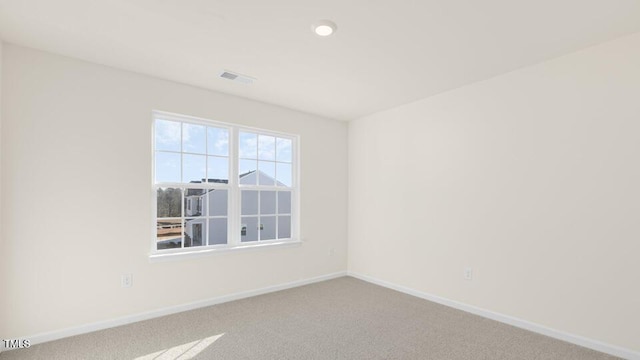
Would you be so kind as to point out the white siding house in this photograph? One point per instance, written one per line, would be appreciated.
(266, 214)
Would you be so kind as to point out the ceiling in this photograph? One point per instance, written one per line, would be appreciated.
(384, 54)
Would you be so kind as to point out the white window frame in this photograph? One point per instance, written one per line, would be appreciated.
(233, 187)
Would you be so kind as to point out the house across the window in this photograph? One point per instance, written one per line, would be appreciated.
(249, 186)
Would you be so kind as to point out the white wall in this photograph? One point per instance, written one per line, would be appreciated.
(76, 136)
(531, 178)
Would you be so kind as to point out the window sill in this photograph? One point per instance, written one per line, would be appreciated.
(159, 257)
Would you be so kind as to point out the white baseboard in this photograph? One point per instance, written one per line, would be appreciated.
(527, 325)
(101, 325)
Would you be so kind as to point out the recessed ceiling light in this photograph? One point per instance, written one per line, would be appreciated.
(324, 27)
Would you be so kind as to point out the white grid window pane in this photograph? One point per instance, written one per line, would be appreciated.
(249, 229)
(284, 202)
(217, 141)
(194, 232)
(194, 168)
(266, 173)
(249, 202)
(194, 138)
(195, 202)
(167, 167)
(217, 169)
(267, 202)
(284, 227)
(217, 231)
(218, 202)
(283, 174)
(167, 135)
(267, 227)
(168, 234)
(248, 171)
(283, 150)
(248, 145)
(168, 202)
(266, 147)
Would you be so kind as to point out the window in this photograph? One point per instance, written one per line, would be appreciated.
(211, 177)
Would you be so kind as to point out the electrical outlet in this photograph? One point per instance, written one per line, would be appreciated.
(468, 273)
(126, 281)
(332, 251)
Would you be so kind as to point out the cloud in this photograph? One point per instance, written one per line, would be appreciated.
(193, 138)
(219, 140)
(248, 145)
(167, 135)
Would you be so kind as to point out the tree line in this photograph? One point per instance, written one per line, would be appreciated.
(169, 202)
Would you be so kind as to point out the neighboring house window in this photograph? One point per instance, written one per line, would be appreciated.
(210, 177)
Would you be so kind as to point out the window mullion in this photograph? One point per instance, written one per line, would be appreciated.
(233, 235)
(259, 213)
(182, 219)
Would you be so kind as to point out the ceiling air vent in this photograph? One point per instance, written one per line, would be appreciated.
(243, 79)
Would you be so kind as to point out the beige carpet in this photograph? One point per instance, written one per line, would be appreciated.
(343, 318)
